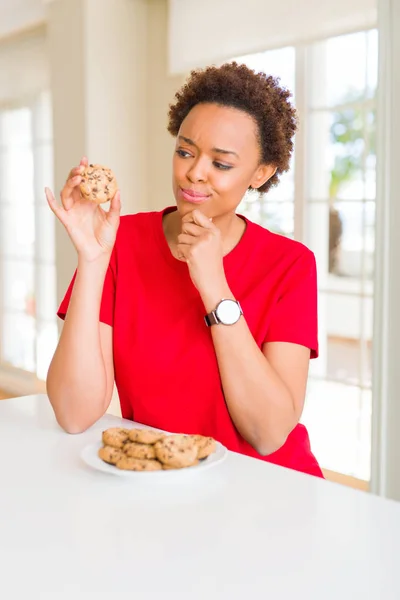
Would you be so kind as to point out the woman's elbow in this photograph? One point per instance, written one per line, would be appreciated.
(267, 445)
(70, 426)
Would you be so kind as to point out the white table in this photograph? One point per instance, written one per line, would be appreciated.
(243, 530)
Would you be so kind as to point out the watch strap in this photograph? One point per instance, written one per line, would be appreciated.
(211, 319)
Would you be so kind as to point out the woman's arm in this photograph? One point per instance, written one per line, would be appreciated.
(264, 390)
(81, 375)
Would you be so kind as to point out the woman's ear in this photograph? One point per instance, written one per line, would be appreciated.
(262, 175)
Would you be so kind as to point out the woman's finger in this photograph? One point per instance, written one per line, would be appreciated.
(181, 252)
(84, 161)
(192, 229)
(57, 210)
(197, 217)
(186, 239)
(75, 171)
(66, 193)
(113, 214)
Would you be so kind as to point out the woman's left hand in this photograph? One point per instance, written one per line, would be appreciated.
(200, 246)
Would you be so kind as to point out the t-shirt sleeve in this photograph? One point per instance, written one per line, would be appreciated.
(107, 301)
(295, 316)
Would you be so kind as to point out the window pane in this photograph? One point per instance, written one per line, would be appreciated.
(372, 62)
(344, 316)
(352, 240)
(278, 63)
(16, 181)
(370, 160)
(339, 70)
(18, 340)
(46, 301)
(45, 232)
(43, 163)
(317, 227)
(18, 289)
(367, 329)
(338, 418)
(17, 231)
(344, 358)
(284, 191)
(42, 119)
(345, 336)
(276, 216)
(339, 320)
(320, 159)
(346, 150)
(16, 128)
(336, 147)
(47, 338)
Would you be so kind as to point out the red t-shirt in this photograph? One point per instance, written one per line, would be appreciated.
(166, 370)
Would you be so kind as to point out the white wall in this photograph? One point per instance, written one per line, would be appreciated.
(99, 99)
(207, 31)
(161, 88)
(24, 66)
(16, 15)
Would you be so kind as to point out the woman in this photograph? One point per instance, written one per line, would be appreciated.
(205, 320)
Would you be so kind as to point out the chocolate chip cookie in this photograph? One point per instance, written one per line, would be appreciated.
(98, 184)
(205, 445)
(178, 451)
(145, 436)
(110, 455)
(136, 450)
(127, 463)
(115, 437)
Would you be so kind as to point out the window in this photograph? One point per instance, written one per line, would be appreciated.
(27, 248)
(328, 202)
(275, 209)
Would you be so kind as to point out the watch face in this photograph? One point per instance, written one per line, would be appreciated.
(228, 312)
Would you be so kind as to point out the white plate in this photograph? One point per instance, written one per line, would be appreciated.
(90, 456)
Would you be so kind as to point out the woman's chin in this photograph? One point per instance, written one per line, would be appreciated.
(184, 208)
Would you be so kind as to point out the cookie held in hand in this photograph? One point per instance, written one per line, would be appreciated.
(98, 184)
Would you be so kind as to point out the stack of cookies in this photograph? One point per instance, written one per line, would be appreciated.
(150, 450)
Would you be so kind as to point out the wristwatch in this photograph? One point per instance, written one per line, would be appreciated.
(227, 312)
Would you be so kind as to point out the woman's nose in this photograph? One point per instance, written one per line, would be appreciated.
(198, 171)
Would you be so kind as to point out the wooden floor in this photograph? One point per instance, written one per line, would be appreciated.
(4, 395)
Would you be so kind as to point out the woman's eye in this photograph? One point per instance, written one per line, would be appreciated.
(183, 153)
(221, 166)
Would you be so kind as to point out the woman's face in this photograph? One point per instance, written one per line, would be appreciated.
(216, 159)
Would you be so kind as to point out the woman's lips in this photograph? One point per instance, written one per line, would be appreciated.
(193, 197)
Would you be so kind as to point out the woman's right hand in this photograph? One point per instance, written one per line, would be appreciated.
(91, 229)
